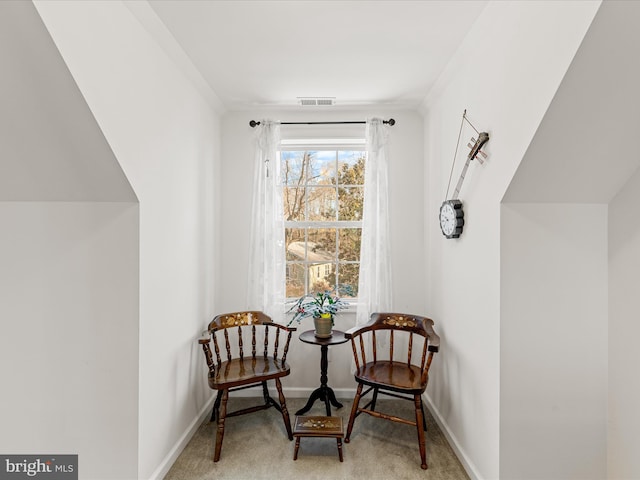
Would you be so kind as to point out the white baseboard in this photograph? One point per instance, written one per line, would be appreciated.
(182, 442)
(467, 464)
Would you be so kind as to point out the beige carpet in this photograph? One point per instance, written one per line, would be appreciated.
(256, 447)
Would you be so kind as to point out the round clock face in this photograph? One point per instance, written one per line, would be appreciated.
(451, 218)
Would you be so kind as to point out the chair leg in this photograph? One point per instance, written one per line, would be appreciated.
(354, 410)
(220, 430)
(420, 427)
(283, 406)
(424, 417)
(216, 406)
(374, 398)
(265, 393)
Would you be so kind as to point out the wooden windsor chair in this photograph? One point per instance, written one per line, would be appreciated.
(382, 374)
(233, 333)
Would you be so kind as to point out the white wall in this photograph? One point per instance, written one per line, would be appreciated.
(553, 335)
(69, 309)
(166, 137)
(594, 97)
(624, 329)
(505, 74)
(406, 193)
(69, 257)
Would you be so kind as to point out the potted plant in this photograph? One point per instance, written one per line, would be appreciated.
(322, 306)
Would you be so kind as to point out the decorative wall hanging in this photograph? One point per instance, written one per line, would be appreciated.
(451, 212)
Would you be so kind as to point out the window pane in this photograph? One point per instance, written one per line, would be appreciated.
(322, 204)
(322, 245)
(348, 279)
(295, 280)
(293, 167)
(322, 168)
(295, 243)
(319, 279)
(294, 203)
(351, 171)
(349, 249)
(351, 202)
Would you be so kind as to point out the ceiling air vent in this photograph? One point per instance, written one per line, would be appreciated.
(316, 101)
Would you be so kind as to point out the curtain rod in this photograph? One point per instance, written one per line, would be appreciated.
(391, 122)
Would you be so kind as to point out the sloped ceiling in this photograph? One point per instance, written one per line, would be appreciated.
(51, 148)
(585, 148)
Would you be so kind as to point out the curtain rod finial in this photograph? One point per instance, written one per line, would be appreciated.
(253, 124)
(391, 122)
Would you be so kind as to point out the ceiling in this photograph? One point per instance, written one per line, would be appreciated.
(263, 53)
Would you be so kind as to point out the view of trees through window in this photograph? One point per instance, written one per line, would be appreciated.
(323, 198)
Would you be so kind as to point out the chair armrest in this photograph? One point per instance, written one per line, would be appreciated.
(280, 326)
(359, 329)
(352, 331)
(434, 339)
(204, 337)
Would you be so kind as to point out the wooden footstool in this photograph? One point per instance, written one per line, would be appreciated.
(330, 427)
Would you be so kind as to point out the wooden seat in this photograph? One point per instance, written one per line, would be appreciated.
(245, 339)
(383, 374)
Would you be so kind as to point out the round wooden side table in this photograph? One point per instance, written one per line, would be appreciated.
(324, 392)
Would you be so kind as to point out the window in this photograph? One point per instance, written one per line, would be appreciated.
(323, 198)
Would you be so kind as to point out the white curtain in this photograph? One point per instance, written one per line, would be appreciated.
(266, 285)
(374, 286)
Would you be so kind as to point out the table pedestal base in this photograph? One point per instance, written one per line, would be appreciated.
(325, 394)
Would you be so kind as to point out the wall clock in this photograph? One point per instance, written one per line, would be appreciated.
(451, 218)
(451, 211)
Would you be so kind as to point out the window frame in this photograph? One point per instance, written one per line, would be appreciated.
(331, 145)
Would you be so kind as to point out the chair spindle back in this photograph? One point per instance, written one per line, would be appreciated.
(364, 340)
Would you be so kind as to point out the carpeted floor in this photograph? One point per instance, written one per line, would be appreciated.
(256, 447)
